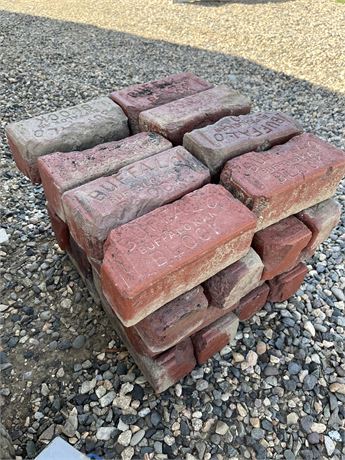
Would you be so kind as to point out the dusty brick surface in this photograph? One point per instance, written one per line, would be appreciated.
(137, 98)
(234, 282)
(175, 119)
(95, 208)
(60, 229)
(321, 219)
(174, 321)
(158, 257)
(252, 302)
(213, 338)
(285, 179)
(215, 144)
(74, 128)
(285, 285)
(64, 171)
(280, 245)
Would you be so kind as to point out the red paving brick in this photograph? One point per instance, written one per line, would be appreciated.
(285, 285)
(137, 98)
(280, 245)
(64, 171)
(285, 179)
(158, 257)
(74, 128)
(231, 284)
(174, 321)
(59, 228)
(230, 137)
(175, 119)
(252, 302)
(214, 337)
(94, 209)
(321, 219)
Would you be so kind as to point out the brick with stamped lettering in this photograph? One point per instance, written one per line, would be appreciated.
(64, 171)
(230, 137)
(285, 179)
(231, 284)
(252, 302)
(321, 219)
(74, 128)
(137, 98)
(174, 321)
(157, 257)
(214, 337)
(285, 285)
(95, 208)
(280, 245)
(175, 119)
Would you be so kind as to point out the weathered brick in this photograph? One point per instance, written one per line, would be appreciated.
(60, 229)
(162, 371)
(280, 245)
(158, 257)
(320, 219)
(137, 98)
(64, 171)
(252, 302)
(285, 285)
(74, 128)
(213, 338)
(79, 259)
(215, 144)
(93, 209)
(286, 179)
(175, 119)
(234, 282)
(174, 321)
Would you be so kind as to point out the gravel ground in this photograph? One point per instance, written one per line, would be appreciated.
(277, 393)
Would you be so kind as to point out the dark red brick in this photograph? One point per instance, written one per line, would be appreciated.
(163, 370)
(280, 245)
(252, 302)
(175, 119)
(137, 98)
(94, 209)
(230, 137)
(174, 321)
(213, 338)
(321, 219)
(64, 171)
(285, 285)
(157, 257)
(60, 229)
(231, 284)
(286, 179)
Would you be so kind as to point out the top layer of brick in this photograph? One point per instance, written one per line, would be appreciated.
(286, 179)
(137, 98)
(232, 136)
(167, 252)
(61, 172)
(75, 128)
(175, 119)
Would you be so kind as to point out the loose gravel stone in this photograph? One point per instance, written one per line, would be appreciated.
(45, 306)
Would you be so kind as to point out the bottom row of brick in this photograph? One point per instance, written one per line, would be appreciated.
(167, 368)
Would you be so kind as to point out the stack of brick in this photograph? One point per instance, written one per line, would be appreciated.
(183, 212)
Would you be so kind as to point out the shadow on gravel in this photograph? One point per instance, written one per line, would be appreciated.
(47, 64)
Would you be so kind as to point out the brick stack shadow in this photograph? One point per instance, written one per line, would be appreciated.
(182, 211)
